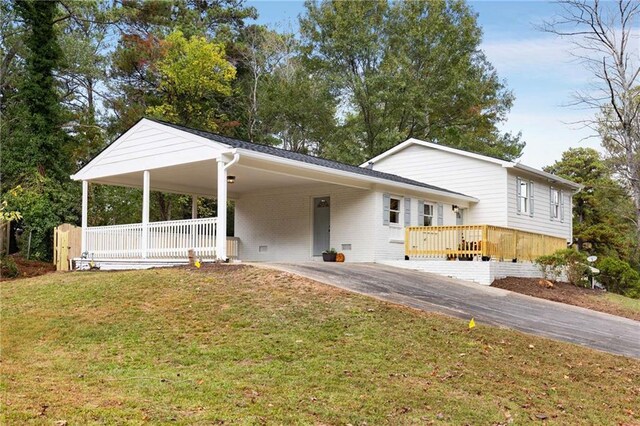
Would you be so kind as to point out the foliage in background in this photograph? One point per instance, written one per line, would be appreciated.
(408, 69)
(194, 78)
(44, 203)
(8, 267)
(603, 212)
(619, 277)
(604, 37)
(36, 149)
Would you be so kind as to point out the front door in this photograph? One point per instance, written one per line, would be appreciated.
(321, 213)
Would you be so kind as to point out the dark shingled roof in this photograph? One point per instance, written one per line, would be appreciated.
(304, 158)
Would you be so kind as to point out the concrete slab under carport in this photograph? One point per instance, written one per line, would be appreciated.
(486, 304)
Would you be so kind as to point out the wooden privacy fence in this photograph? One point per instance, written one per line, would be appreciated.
(466, 242)
(66, 245)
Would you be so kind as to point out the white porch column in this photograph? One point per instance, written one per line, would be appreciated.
(85, 212)
(194, 206)
(221, 226)
(146, 183)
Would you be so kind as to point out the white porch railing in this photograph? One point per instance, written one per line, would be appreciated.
(165, 240)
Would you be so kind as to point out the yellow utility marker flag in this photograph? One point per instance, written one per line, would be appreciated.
(472, 324)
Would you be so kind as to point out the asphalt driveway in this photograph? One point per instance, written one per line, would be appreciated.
(488, 305)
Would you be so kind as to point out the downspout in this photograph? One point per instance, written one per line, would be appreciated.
(221, 228)
(235, 159)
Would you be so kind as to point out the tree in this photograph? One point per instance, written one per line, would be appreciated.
(194, 77)
(262, 50)
(37, 140)
(605, 41)
(36, 149)
(409, 69)
(298, 109)
(602, 209)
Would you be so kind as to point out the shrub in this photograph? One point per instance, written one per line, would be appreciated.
(619, 277)
(8, 267)
(571, 261)
(550, 265)
(575, 266)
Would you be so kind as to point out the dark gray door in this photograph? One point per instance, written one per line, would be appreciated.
(321, 213)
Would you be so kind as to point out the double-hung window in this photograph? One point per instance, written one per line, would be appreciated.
(524, 196)
(427, 215)
(394, 210)
(556, 205)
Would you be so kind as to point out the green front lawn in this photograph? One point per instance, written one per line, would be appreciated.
(249, 346)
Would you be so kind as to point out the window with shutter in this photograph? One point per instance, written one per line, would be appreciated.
(440, 214)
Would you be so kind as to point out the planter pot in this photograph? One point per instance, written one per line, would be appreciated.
(329, 257)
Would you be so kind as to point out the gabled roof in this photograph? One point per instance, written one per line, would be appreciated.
(308, 159)
(502, 163)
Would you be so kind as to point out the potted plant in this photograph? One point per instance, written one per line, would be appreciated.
(329, 255)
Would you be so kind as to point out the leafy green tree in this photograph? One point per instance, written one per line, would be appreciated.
(37, 140)
(409, 69)
(603, 212)
(36, 150)
(194, 79)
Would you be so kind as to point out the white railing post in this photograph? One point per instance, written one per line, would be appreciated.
(221, 226)
(85, 212)
(145, 213)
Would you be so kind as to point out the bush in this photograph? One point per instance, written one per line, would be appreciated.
(550, 265)
(571, 261)
(8, 267)
(619, 277)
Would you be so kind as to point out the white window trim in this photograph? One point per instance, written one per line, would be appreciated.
(399, 211)
(529, 185)
(432, 216)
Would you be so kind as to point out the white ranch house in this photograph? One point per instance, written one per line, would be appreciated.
(418, 201)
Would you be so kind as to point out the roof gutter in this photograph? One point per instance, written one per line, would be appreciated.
(549, 176)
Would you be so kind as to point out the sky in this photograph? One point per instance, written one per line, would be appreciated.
(535, 65)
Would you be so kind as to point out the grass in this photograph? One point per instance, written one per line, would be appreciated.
(627, 303)
(251, 346)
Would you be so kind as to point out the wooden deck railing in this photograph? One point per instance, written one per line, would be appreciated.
(467, 242)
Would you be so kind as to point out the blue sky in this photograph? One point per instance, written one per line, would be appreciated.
(536, 67)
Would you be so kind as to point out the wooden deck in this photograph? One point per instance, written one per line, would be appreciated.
(469, 242)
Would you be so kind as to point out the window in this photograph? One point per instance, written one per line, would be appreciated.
(394, 210)
(524, 196)
(556, 203)
(428, 215)
(554, 198)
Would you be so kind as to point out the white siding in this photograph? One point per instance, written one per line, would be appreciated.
(483, 180)
(541, 221)
(389, 240)
(282, 221)
(149, 145)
